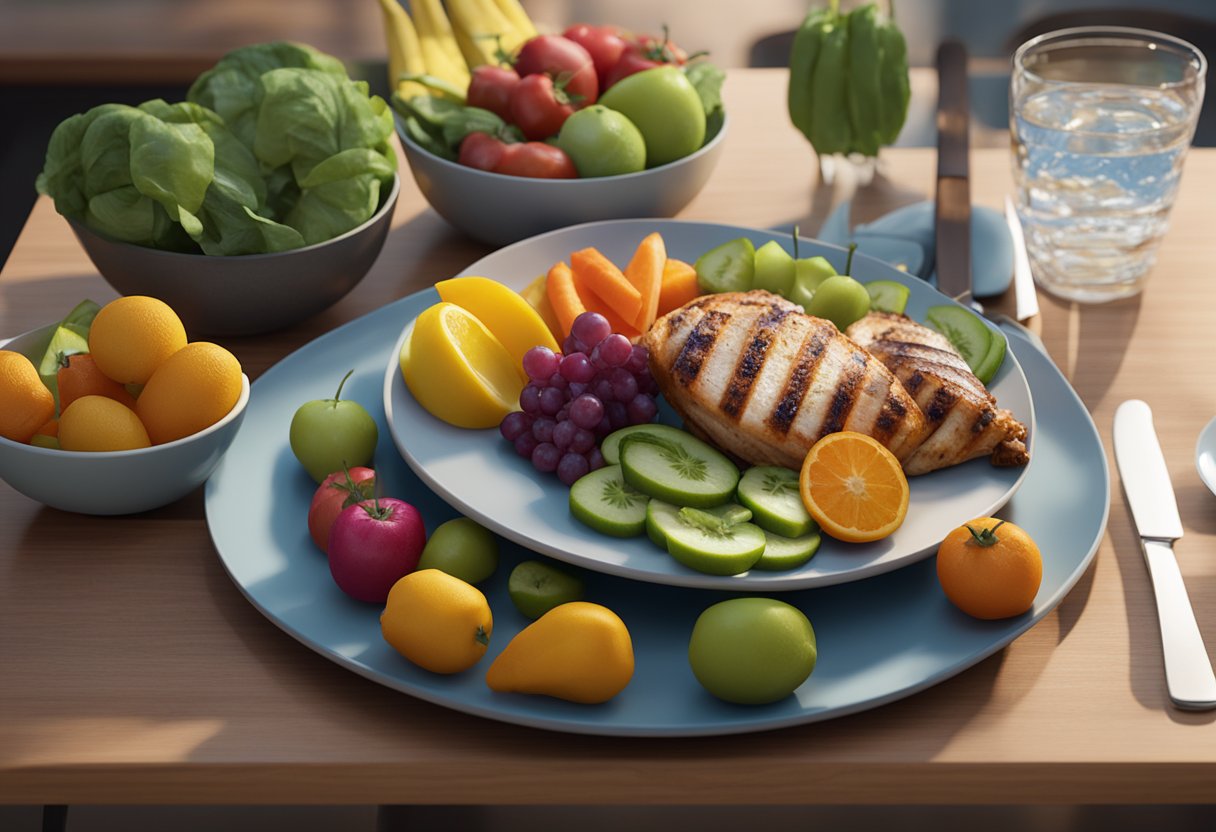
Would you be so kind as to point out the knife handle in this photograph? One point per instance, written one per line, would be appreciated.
(1188, 671)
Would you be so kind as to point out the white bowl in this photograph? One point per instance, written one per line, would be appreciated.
(115, 482)
(499, 209)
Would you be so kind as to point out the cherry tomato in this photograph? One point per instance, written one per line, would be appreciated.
(539, 107)
(490, 89)
(604, 43)
(537, 160)
(565, 61)
(481, 151)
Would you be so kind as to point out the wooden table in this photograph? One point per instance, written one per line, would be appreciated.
(133, 671)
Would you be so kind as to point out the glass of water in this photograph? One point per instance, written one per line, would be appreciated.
(1101, 119)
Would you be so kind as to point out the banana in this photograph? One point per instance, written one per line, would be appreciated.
(514, 12)
(404, 50)
(440, 52)
(477, 24)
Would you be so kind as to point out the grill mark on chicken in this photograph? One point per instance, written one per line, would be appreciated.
(809, 355)
(845, 397)
(889, 419)
(939, 407)
(751, 362)
(700, 341)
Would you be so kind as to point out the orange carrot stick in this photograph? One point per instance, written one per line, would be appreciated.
(608, 283)
(594, 304)
(679, 285)
(645, 272)
(567, 305)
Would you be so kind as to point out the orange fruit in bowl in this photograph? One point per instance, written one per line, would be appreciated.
(99, 423)
(25, 402)
(990, 568)
(193, 389)
(132, 336)
(854, 487)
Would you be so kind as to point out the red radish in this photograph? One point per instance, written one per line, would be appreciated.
(372, 545)
(337, 491)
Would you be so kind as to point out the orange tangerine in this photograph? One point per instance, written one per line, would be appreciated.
(990, 568)
(132, 336)
(193, 389)
(854, 487)
(79, 375)
(25, 402)
(98, 423)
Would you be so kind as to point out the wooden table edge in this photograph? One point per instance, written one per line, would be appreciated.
(425, 784)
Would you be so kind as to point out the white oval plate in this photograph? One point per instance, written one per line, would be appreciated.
(479, 474)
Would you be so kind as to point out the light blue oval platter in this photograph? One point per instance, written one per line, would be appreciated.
(880, 639)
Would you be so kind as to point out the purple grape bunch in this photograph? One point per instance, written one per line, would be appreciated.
(600, 382)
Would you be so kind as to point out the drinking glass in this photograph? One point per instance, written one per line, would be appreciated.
(1100, 119)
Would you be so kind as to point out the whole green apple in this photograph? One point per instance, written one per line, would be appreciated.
(602, 142)
(752, 651)
(663, 104)
(327, 434)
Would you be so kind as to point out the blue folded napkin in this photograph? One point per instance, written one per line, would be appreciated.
(906, 237)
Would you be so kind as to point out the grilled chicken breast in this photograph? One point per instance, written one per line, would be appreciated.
(963, 417)
(763, 381)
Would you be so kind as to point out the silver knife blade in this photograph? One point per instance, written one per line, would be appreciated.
(1025, 298)
(1188, 670)
(1142, 470)
(952, 251)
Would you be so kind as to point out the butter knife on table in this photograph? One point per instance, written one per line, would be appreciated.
(1146, 481)
(952, 250)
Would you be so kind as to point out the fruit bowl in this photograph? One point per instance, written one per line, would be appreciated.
(497, 209)
(115, 482)
(247, 294)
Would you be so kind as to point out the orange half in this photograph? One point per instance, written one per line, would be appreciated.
(854, 487)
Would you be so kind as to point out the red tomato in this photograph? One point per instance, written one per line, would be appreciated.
(481, 151)
(539, 107)
(537, 160)
(664, 51)
(565, 61)
(336, 492)
(490, 89)
(642, 53)
(604, 43)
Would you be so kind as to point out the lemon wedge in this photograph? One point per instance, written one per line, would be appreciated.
(458, 370)
(504, 312)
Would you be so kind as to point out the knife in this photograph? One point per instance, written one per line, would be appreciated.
(1025, 300)
(953, 201)
(1146, 481)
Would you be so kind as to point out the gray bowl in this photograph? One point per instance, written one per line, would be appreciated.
(115, 482)
(246, 294)
(499, 209)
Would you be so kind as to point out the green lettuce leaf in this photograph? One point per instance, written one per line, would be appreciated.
(340, 193)
(232, 88)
